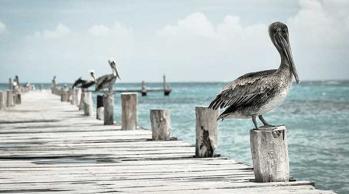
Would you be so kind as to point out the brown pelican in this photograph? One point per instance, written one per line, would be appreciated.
(256, 93)
(107, 81)
(85, 83)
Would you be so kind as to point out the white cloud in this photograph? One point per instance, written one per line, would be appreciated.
(99, 30)
(60, 31)
(196, 42)
(2, 27)
(321, 23)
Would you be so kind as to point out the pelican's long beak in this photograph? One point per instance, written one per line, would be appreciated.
(117, 73)
(286, 48)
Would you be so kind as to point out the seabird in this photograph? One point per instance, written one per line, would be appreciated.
(107, 81)
(256, 93)
(85, 83)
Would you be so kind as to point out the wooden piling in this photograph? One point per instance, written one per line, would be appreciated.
(100, 108)
(77, 96)
(270, 154)
(82, 96)
(160, 124)
(71, 96)
(62, 95)
(2, 99)
(108, 105)
(129, 111)
(88, 104)
(17, 98)
(167, 90)
(206, 132)
(9, 97)
(4, 95)
(144, 89)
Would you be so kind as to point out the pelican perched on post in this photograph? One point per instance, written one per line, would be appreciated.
(253, 94)
(85, 83)
(107, 81)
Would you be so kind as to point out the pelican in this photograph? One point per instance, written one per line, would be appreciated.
(85, 83)
(107, 81)
(256, 93)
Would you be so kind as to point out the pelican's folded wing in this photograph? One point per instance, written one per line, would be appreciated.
(247, 89)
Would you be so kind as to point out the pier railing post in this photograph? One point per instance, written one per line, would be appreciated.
(9, 96)
(81, 101)
(71, 96)
(108, 105)
(62, 94)
(160, 124)
(4, 95)
(206, 131)
(2, 99)
(18, 98)
(270, 154)
(77, 96)
(88, 104)
(99, 108)
(129, 111)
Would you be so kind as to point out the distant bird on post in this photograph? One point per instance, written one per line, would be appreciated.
(85, 83)
(108, 81)
(256, 93)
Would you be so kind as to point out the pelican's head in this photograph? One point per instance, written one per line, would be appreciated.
(113, 66)
(93, 75)
(278, 33)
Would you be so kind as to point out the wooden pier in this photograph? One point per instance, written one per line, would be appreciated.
(48, 146)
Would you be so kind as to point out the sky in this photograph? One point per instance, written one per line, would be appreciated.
(188, 40)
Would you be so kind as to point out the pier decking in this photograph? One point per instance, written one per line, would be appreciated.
(49, 146)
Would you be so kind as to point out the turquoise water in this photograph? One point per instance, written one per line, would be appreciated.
(315, 113)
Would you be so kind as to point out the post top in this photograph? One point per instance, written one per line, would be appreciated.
(129, 93)
(269, 129)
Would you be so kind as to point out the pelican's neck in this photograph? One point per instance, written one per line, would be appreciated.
(285, 66)
(114, 71)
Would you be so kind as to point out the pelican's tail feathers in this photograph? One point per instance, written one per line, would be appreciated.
(216, 103)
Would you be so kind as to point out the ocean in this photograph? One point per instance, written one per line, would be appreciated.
(316, 114)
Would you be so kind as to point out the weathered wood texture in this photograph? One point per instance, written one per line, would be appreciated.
(129, 111)
(206, 131)
(72, 96)
(64, 95)
(270, 154)
(17, 98)
(9, 97)
(2, 100)
(88, 104)
(160, 124)
(82, 96)
(99, 108)
(108, 103)
(48, 147)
